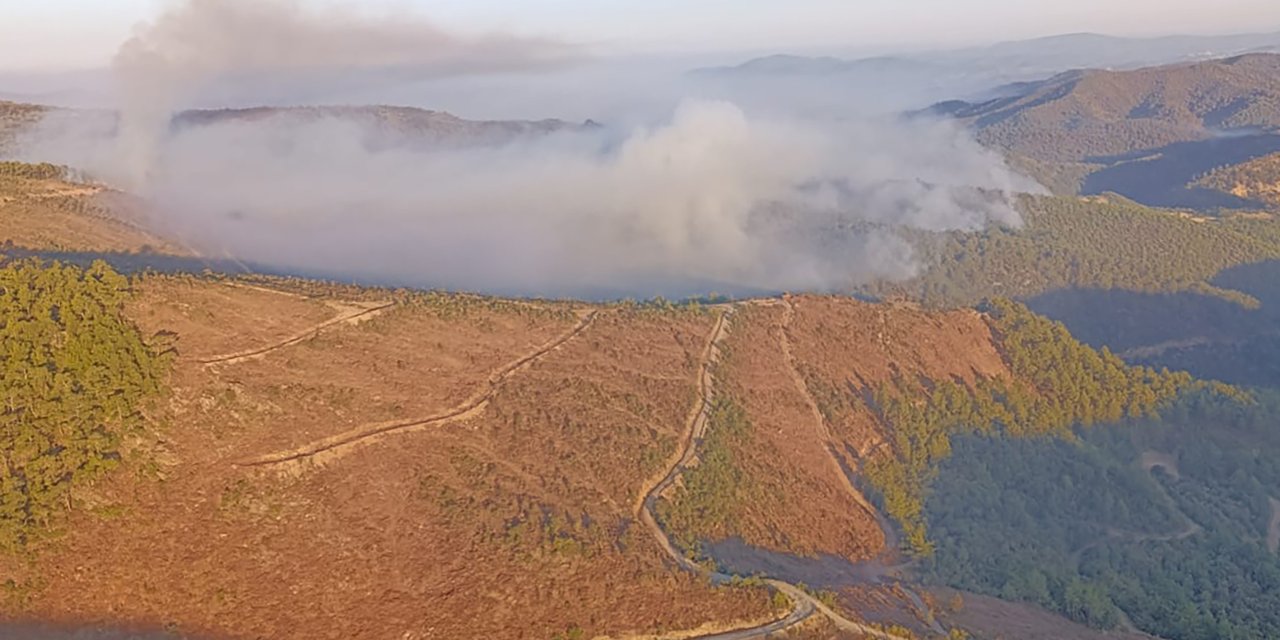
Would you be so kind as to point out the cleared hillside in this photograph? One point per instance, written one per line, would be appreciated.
(474, 466)
(332, 461)
(41, 209)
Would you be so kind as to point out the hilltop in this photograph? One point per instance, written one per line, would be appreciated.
(1026, 59)
(384, 126)
(389, 125)
(1088, 115)
(1255, 180)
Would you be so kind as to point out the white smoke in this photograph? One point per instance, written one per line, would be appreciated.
(709, 198)
(198, 45)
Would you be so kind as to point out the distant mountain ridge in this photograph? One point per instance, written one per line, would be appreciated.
(1023, 60)
(390, 124)
(384, 126)
(793, 64)
(1083, 115)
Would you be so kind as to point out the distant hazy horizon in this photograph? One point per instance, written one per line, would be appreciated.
(64, 35)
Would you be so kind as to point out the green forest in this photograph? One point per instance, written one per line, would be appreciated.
(1059, 383)
(705, 504)
(1081, 527)
(1100, 243)
(74, 374)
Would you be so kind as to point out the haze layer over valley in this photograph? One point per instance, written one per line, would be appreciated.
(695, 196)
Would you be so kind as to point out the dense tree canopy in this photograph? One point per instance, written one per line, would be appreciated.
(73, 372)
(1086, 242)
(1085, 529)
(1058, 383)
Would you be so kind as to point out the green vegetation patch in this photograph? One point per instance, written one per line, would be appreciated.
(1058, 383)
(707, 503)
(1102, 243)
(73, 374)
(1083, 529)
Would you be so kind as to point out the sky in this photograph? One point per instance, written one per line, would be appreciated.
(77, 34)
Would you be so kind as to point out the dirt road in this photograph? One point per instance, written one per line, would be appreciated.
(1148, 462)
(698, 422)
(883, 570)
(336, 446)
(348, 314)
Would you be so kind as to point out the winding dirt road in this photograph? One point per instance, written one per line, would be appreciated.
(336, 446)
(348, 314)
(696, 428)
(1148, 462)
(824, 430)
(839, 469)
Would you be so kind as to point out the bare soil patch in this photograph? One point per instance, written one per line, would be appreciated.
(516, 524)
(805, 507)
(1149, 460)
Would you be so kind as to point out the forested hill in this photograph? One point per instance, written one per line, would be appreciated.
(1081, 115)
(1097, 242)
(390, 125)
(1257, 180)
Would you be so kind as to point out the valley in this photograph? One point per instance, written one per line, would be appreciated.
(902, 391)
(296, 435)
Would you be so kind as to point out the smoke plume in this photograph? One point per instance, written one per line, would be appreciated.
(199, 45)
(708, 198)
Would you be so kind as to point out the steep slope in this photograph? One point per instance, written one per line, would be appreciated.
(1082, 115)
(526, 497)
(336, 462)
(1255, 180)
(41, 209)
(332, 461)
(1095, 242)
(458, 529)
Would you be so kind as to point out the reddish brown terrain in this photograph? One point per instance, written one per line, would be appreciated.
(333, 462)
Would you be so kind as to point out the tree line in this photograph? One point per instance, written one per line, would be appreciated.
(74, 373)
(1057, 384)
(1102, 243)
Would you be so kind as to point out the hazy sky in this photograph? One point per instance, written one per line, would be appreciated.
(53, 34)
